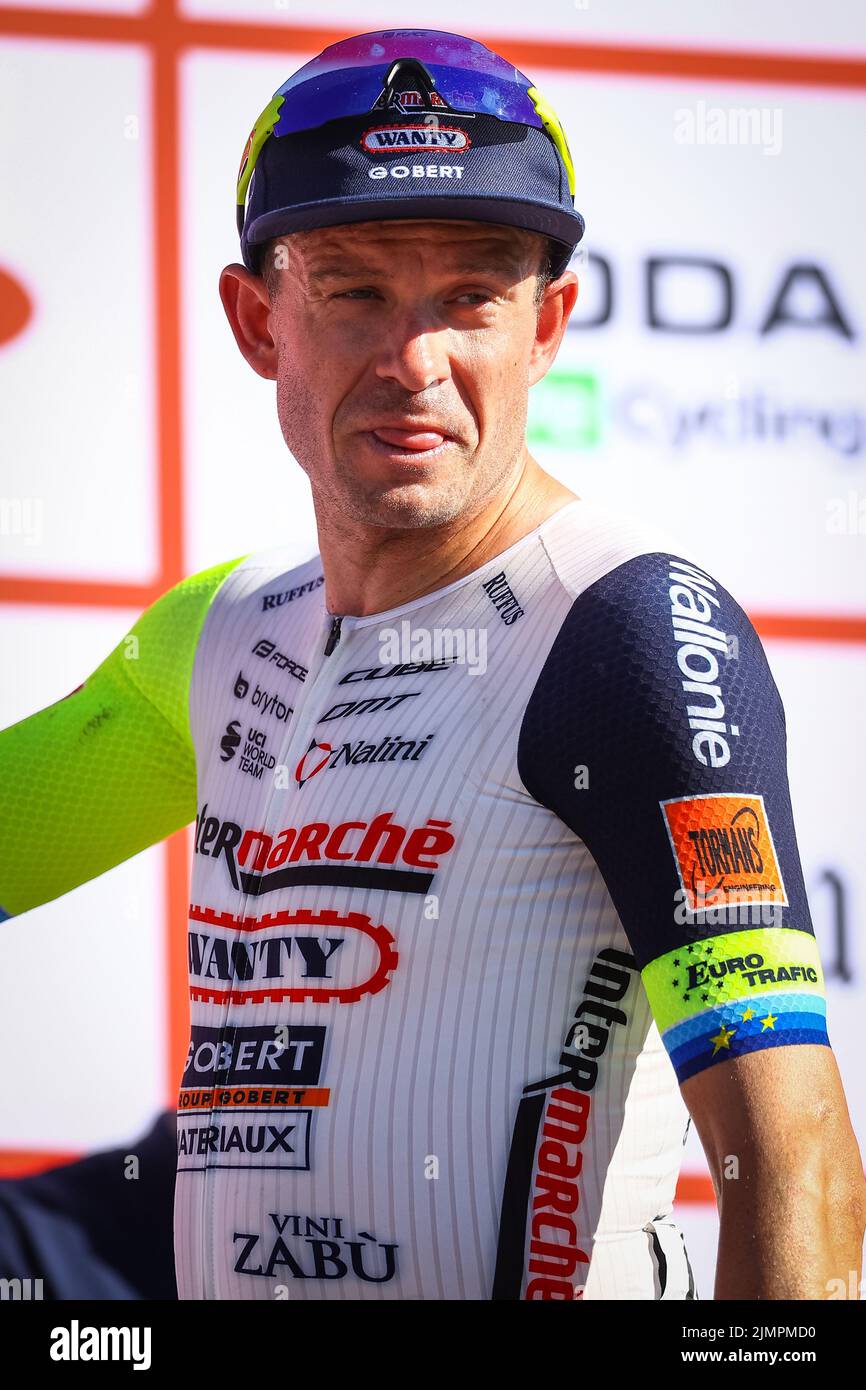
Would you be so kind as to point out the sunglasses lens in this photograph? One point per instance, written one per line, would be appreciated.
(347, 79)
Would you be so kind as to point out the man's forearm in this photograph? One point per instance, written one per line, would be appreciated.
(791, 1231)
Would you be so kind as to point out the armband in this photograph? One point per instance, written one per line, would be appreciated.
(727, 995)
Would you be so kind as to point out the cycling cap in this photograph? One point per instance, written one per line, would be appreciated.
(406, 123)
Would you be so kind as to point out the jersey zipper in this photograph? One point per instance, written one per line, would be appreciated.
(299, 736)
(333, 635)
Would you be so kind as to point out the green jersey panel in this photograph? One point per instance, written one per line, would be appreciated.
(110, 769)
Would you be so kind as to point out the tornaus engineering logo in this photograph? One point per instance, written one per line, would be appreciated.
(723, 850)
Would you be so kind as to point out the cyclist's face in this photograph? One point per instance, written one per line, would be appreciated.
(426, 330)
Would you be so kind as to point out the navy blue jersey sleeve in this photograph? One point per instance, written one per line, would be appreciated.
(656, 733)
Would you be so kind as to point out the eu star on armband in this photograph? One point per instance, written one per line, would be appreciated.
(737, 993)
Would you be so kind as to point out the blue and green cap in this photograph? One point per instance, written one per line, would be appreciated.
(407, 123)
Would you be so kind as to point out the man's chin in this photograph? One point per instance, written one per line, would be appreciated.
(407, 506)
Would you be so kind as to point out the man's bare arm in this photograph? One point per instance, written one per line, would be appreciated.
(787, 1172)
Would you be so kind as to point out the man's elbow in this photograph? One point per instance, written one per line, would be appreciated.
(811, 1162)
(845, 1197)
(836, 1159)
(823, 1179)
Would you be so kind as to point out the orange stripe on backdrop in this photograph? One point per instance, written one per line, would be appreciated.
(695, 1189)
(167, 231)
(78, 593)
(82, 25)
(167, 234)
(615, 59)
(21, 1163)
(805, 627)
(162, 24)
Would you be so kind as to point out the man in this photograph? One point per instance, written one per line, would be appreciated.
(494, 843)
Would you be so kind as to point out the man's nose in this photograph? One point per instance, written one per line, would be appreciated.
(414, 353)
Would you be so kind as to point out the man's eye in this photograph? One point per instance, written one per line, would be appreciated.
(479, 296)
(351, 294)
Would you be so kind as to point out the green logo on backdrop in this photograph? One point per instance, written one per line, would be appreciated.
(565, 410)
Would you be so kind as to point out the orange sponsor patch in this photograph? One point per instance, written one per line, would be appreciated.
(723, 850)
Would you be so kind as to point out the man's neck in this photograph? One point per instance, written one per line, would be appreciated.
(370, 571)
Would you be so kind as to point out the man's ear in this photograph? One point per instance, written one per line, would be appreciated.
(247, 304)
(559, 300)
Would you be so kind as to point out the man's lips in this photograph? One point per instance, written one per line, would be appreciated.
(410, 439)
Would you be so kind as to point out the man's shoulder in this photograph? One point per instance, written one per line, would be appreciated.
(653, 641)
(587, 541)
(264, 579)
(618, 563)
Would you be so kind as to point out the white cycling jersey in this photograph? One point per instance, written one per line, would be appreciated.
(477, 881)
(423, 1062)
